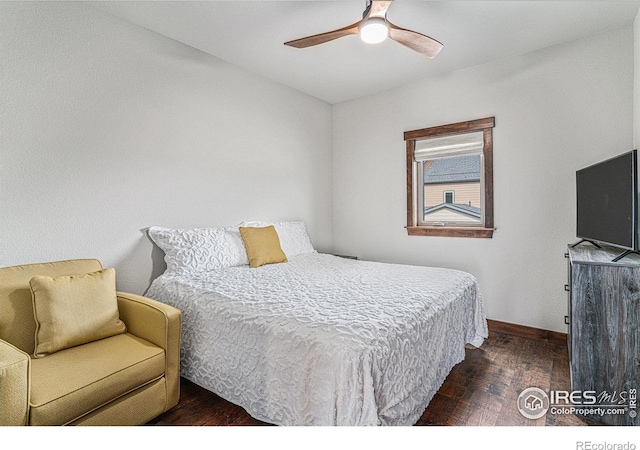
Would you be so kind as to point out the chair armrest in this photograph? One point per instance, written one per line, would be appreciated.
(161, 325)
(15, 368)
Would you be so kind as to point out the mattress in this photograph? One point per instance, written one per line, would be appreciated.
(323, 340)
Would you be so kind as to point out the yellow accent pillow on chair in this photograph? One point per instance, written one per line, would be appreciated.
(263, 245)
(74, 310)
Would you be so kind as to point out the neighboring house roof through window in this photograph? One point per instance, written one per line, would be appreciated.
(452, 170)
(464, 209)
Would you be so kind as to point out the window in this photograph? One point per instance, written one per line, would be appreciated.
(449, 196)
(450, 179)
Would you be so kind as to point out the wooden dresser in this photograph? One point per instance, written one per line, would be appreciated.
(604, 345)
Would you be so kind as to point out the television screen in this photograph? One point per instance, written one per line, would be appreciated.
(607, 201)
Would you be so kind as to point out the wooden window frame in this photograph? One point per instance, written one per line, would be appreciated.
(485, 125)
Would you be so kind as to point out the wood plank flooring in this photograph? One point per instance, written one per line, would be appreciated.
(481, 390)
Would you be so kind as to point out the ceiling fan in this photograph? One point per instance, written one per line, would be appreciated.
(373, 28)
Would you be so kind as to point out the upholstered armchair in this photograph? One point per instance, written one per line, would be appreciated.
(62, 363)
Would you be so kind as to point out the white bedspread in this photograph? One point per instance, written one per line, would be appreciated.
(323, 340)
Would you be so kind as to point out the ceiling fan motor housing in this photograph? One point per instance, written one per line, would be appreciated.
(374, 30)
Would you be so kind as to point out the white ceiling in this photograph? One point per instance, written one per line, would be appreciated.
(250, 34)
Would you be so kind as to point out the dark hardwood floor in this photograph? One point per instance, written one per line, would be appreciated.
(481, 390)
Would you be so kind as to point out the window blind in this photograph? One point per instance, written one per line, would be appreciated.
(456, 145)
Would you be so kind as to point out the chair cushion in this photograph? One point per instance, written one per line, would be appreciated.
(73, 382)
(16, 306)
(72, 310)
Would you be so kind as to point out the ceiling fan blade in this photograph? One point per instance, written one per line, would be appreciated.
(324, 37)
(415, 41)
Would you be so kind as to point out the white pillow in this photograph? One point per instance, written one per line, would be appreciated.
(294, 239)
(200, 249)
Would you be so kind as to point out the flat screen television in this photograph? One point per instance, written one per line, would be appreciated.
(607, 202)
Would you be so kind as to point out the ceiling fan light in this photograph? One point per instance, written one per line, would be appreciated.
(374, 30)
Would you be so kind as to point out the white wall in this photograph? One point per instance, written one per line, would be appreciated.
(107, 129)
(557, 110)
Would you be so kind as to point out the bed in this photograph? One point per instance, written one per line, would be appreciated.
(319, 339)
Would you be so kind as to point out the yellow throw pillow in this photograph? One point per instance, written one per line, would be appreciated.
(75, 309)
(263, 245)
